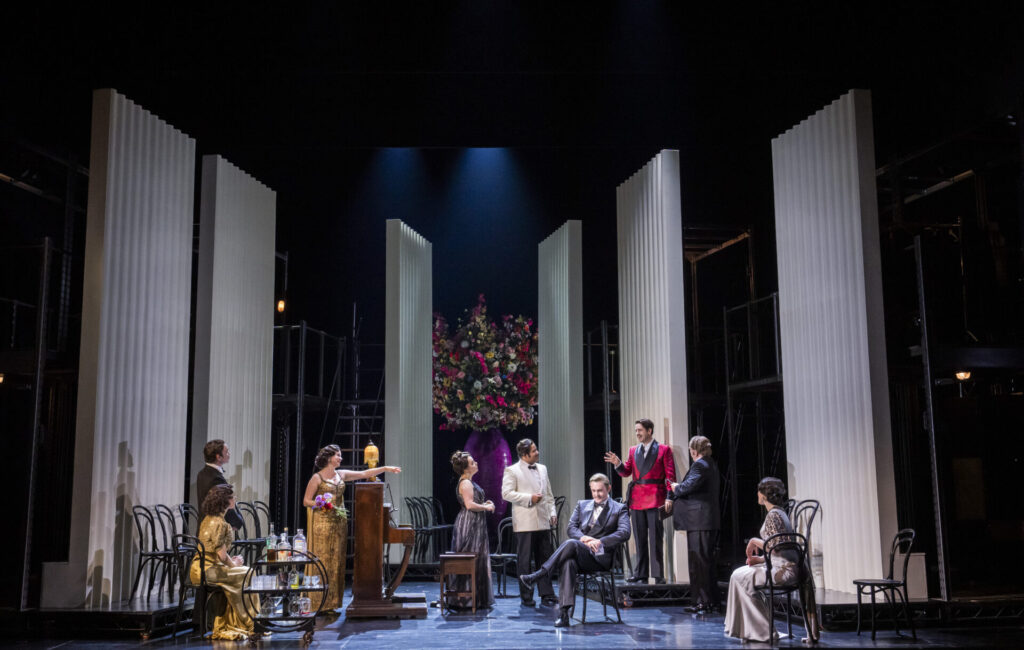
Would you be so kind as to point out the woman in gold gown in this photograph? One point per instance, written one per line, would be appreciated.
(223, 570)
(328, 528)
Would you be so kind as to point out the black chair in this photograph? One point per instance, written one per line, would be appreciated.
(627, 563)
(421, 540)
(151, 552)
(189, 518)
(903, 542)
(501, 560)
(789, 506)
(168, 528)
(794, 546)
(248, 511)
(263, 510)
(804, 514)
(556, 535)
(605, 583)
(185, 549)
(442, 531)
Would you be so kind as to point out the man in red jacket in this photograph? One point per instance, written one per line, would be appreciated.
(653, 469)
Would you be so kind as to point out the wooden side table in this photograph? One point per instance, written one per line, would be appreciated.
(458, 564)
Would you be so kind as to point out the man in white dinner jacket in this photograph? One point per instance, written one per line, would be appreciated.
(525, 485)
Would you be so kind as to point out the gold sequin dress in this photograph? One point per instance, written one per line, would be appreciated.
(327, 537)
(235, 623)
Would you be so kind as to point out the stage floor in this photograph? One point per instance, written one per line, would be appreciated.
(509, 625)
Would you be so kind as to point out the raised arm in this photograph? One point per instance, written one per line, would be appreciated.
(352, 475)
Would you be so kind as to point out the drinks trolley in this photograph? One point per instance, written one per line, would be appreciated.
(289, 594)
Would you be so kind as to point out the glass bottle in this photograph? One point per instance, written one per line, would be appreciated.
(299, 543)
(271, 545)
(284, 548)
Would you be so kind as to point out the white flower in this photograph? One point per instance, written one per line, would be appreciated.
(512, 367)
(464, 343)
(477, 385)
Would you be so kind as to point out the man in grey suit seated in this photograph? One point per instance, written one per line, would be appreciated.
(595, 530)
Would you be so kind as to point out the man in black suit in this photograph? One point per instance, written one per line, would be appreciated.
(695, 510)
(216, 454)
(596, 529)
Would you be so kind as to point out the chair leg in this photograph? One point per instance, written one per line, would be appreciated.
(859, 592)
(138, 576)
(892, 610)
(789, 607)
(873, 614)
(181, 606)
(907, 613)
(771, 616)
(615, 598)
(604, 603)
(584, 619)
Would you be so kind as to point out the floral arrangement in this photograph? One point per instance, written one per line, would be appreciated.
(325, 502)
(485, 374)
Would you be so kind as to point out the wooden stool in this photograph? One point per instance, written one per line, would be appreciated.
(458, 564)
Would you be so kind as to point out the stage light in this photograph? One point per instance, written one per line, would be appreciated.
(280, 306)
(963, 375)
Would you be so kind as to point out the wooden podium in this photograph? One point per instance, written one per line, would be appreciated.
(374, 529)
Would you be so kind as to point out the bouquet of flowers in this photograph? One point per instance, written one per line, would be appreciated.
(325, 502)
(485, 374)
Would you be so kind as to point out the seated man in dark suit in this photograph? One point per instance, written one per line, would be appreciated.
(217, 455)
(595, 530)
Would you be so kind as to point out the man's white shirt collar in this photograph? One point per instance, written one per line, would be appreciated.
(216, 467)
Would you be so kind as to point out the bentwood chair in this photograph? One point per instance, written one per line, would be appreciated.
(151, 552)
(604, 580)
(189, 518)
(502, 560)
(793, 547)
(185, 548)
(556, 536)
(902, 542)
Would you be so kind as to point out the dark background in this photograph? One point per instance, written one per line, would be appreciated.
(485, 125)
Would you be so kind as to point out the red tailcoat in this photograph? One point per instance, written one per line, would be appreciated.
(644, 497)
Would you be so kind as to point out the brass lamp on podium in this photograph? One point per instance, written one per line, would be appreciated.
(372, 456)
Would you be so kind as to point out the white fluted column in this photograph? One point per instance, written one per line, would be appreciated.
(234, 325)
(408, 355)
(652, 329)
(133, 369)
(838, 437)
(560, 371)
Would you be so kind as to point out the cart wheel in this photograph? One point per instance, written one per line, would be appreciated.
(307, 638)
(253, 639)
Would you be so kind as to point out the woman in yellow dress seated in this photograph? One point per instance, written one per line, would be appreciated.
(222, 570)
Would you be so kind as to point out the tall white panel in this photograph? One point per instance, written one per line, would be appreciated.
(133, 370)
(560, 382)
(234, 325)
(652, 330)
(408, 355)
(838, 438)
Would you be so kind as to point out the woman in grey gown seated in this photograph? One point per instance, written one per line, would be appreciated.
(746, 613)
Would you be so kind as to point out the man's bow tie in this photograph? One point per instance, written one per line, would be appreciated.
(532, 466)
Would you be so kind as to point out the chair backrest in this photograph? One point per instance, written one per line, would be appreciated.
(248, 510)
(412, 505)
(804, 514)
(506, 535)
(792, 546)
(164, 517)
(789, 506)
(902, 542)
(438, 511)
(145, 528)
(185, 548)
(189, 518)
(264, 511)
(559, 504)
